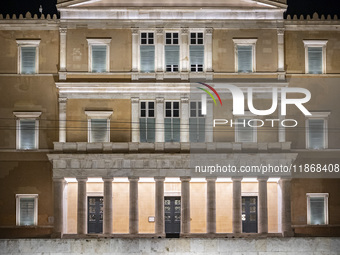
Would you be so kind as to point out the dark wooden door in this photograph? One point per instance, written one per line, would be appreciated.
(172, 216)
(249, 214)
(95, 215)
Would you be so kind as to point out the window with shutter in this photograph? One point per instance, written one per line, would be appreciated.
(27, 133)
(28, 60)
(99, 58)
(172, 122)
(316, 133)
(315, 60)
(147, 123)
(26, 209)
(171, 52)
(99, 131)
(245, 58)
(196, 52)
(147, 58)
(244, 132)
(196, 123)
(317, 208)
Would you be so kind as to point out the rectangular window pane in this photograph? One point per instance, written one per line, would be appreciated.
(316, 134)
(167, 130)
(317, 210)
(147, 58)
(26, 211)
(315, 60)
(172, 57)
(151, 127)
(197, 57)
(28, 55)
(176, 129)
(245, 133)
(142, 130)
(27, 134)
(99, 130)
(99, 58)
(245, 58)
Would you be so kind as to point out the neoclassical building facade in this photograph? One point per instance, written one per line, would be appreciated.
(126, 119)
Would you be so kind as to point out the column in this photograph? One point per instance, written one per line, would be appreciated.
(263, 205)
(159, 65)
(62, 119)
(82, 205)
(159, 120)
(133, 201)
(208, 49)
(62, 32)
(185, 208)
(281, 54)
(282, 131)
(286, 222)
(237, 205)
(209, 118)
(159, 206)
(184, 122)
(135, 49)
(107, 210)
(211, 205)
(135, 119)
(58, 186)
(184, 56)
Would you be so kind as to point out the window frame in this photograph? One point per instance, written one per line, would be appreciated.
(172, 117)
(139, 50)
(204, 49)
(315, 43)
(98, 115)
(245, 42)
(100, 42)
(35, 197)
(317, 115)
(28, 116)
(28, 43)
(172, 44)
(198, 116)
(325, 196)
(237, 138)
(146, 115)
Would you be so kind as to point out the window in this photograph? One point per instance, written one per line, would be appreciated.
(99, 55)
(172, 122)
(196, 52)
(317, 208)
(315, 56)
(28, 52)
(27, 209)
(98, 126)
(244, 132)
(316, 131)
(171, 52)
(196, 123)
(147, 52)
(147, 122)
(27, 134)
(245, 55)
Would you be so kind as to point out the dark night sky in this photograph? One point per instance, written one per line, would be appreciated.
(294, 6)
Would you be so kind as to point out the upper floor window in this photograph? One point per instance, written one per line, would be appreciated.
(196, 123)
(98, 126)
(245, 61)
(147, 121)
(316, 131)
(147, 52)
(28, 53)
(196, 52)
(244, 131)
(315, 56)
(99, 55)
(171, 50)
(27, 130)
(172, 122)
(27, 209)
(317, 208)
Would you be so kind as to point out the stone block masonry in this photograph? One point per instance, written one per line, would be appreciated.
(249, 246)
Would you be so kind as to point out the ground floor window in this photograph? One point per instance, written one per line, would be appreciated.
(27, 209)
(317, 208)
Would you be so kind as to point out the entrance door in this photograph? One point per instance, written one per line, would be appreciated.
(249, 214)
(172, 216)
(95, 215)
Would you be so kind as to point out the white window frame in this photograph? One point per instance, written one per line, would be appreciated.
(172, 113)
(318, 115)
(28, 43)
(17, 197)
(180, 52)
(315, 43)
(146, 113)
(196, 31)
(140, 44)
(245, 42)
(31, 116)
(325, 196)
(98, 115)
(197, 114)
(98, 41)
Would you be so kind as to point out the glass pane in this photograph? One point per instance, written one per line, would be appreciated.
(167, 209)
(99, 130)
(28, 55)
(253, 200)
(99, 58)
(92, 217)
(27, 134)
(177, 209)
(167, 217)
(245, 58)
(92, 209)
(171, 55)
(197, 55)
(177, 217)
(92, 201)
(316, 134)
(167, 202)
(252, 209)
(177, 202)
(315, 60)
(26, 211)
(317, 210)
(252, 217)
(147, 58)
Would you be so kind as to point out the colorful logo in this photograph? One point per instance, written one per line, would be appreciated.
(204, 97)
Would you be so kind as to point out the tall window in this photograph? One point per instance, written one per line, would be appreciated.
(245, 55)
(244, 132)
(28, 53)
(98, 126)
(316, 131)
(27, 209)
(196, 52)
(27, 134)
(99, 55)
(172, 122)
(196, 123)
(315, 56)
(147, 52)
(147, 121)
(171, 52)
(317, 208)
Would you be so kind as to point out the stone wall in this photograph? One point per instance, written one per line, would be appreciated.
(286, 246)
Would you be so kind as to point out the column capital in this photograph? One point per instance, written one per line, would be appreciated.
(211, 179)
(209, 30)
(281, 31)
(185, 178)
(135, 100)
(107, 179)
(59, 179)
(159, 178)
(82, 179)
(185, 30)
(159, 100)
(236, 178)
(63, 30)
(135, 30)
(133, 178)
(62, 99)
(184, 100)
(159, 30)
(262, 178)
